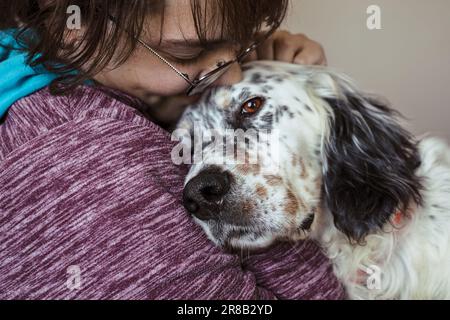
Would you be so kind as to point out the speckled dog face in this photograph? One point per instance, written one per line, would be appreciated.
(245, 205)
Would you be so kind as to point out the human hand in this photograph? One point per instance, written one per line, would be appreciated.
(292, 48)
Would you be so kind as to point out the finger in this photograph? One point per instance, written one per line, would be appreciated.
(319, 62)
(265, 50)
(312, 54)
(286, 46)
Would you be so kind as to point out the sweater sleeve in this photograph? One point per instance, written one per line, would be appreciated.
(295, 271)
(89, 196)
(90, 209)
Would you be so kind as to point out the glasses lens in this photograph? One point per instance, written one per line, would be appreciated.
(241, 57)
(204, 82)
(207, 80)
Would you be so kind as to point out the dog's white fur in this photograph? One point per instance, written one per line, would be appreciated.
(414, 257)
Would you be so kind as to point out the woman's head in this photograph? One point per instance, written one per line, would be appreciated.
(193, 35)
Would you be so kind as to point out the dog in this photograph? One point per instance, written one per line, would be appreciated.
(348, 176)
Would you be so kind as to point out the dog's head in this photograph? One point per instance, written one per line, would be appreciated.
(337, 151)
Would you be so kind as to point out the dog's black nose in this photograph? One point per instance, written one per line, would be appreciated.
(203, 195)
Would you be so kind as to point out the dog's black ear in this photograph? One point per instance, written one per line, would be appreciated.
(370, 165)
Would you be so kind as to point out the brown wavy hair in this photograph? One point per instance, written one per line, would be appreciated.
(105, 42)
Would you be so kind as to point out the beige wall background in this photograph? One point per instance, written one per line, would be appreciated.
(407, 61)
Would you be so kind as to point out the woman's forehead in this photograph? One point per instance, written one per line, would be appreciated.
(176, 26)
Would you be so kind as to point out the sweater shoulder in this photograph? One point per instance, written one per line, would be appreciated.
(91, 125)
(41, 112)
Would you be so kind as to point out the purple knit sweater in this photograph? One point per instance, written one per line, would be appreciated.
(87, 184)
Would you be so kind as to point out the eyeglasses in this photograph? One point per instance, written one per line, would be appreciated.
(198, 85)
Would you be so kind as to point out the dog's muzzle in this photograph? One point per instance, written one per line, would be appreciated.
(204, 195)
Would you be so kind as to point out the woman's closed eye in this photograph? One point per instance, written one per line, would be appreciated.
(190, 56)
(183, 57)
(187, 60)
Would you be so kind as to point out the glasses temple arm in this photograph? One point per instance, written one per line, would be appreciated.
(146, 46)
(183, 75)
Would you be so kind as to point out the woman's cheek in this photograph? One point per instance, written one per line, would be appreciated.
(141, 80)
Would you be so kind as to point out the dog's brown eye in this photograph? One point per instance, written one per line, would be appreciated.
(252, 106)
